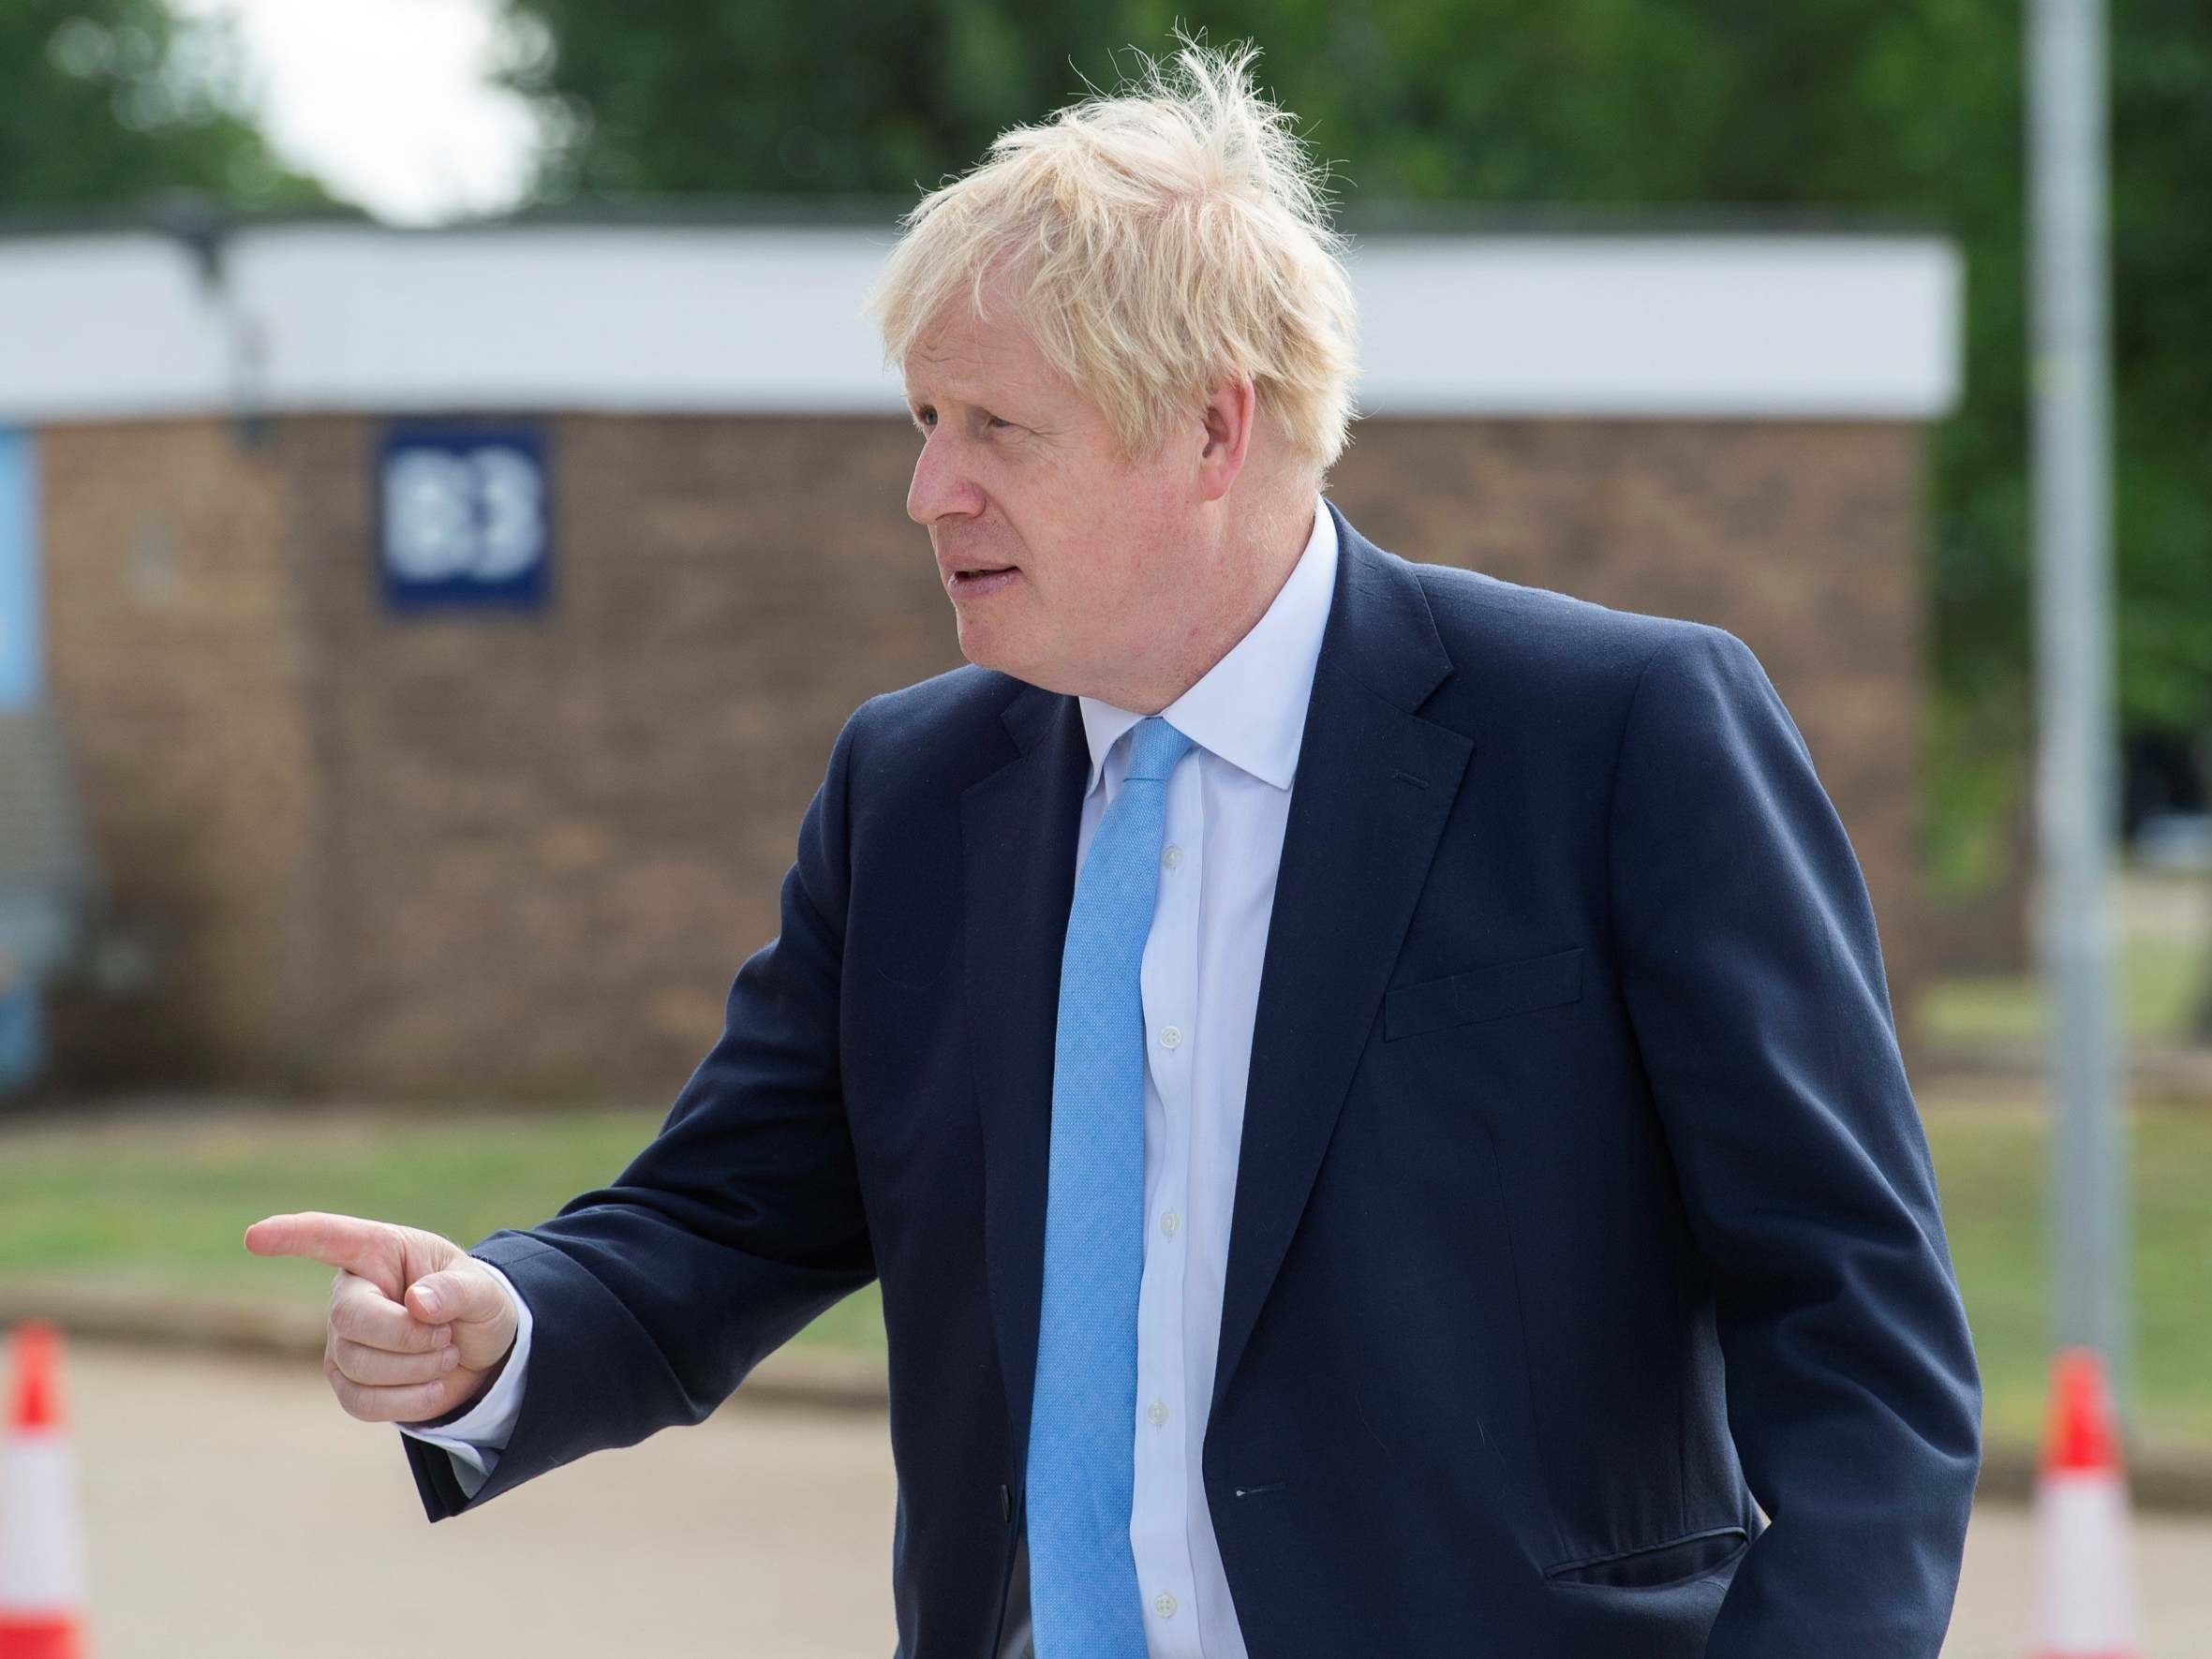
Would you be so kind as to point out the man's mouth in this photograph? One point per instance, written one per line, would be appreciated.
(982, 576)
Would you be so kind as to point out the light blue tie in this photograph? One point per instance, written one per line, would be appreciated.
(1084, 1601)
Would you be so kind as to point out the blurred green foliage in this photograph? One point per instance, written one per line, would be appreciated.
(109, 102)
(1904, 108)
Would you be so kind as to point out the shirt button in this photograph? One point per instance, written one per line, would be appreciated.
(1157, 1411)
(1172, 858)
(1168, 1223)
(1164, 1605)
(1171, 1037)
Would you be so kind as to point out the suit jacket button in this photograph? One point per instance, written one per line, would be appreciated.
(1006, 1504)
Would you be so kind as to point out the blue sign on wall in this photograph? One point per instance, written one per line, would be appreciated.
(464, 516)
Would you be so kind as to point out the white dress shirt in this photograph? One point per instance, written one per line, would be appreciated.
(1228, 805)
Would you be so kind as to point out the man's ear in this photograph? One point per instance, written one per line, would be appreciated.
(1231, 409)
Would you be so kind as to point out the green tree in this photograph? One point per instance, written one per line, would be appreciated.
(106, 102)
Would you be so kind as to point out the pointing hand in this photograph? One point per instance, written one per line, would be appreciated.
(418, 1327)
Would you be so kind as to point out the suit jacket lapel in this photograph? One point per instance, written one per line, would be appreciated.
(1376, 783)
(1017, 834)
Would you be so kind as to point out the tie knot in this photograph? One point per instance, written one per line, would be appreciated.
(1154, 746)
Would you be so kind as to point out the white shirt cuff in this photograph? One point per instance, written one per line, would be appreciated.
(475, 1439)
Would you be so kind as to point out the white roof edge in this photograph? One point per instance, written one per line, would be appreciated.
(733, 319)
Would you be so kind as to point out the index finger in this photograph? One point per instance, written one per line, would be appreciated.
(334, 1240)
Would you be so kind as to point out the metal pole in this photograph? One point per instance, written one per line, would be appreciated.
(2067, 125)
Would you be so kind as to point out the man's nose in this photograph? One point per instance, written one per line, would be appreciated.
(942, 485)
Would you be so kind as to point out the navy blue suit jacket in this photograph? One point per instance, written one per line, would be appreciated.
(1581, 1198)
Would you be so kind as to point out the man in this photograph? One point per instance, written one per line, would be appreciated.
(1370, 1090)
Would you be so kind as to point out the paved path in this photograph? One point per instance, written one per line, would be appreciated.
(233, 1511)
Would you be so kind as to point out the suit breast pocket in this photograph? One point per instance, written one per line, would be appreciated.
(1491, 992)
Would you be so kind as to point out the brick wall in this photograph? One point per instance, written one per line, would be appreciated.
(1804, 539)
(561, 834)
(524, 854)
(179, 673)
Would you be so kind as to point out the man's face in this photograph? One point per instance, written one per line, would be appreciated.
(1018, 471)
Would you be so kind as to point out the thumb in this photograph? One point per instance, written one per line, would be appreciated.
(456, 1294)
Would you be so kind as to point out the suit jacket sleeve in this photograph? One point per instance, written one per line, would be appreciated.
(741, 1221)
(1754, 981)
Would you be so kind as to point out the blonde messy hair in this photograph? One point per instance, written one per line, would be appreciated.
(1157, 240)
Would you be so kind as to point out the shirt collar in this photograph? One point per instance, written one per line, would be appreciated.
(1249, 707)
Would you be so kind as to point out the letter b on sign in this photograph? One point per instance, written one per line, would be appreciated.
(463, 516)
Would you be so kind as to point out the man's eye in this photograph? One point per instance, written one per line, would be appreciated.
(926, 418)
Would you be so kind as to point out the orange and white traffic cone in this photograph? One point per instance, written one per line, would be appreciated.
(42, 1577)
(2084, 1562)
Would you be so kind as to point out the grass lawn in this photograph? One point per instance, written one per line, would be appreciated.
(160, 1201)
(2161, 985)
(1990, 1167)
